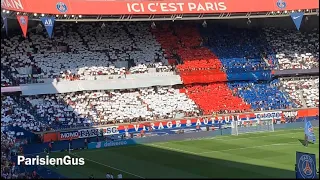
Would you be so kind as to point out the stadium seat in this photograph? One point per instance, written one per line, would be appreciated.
(239, 50)
(198, 64)
(216, 98)
(103, 107)
(303, 91)
(82, 51)
(262, 95)
(12, 114)
(294, 49)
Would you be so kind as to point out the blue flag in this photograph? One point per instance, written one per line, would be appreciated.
(306, 166)
(308, 131)
(5, 22)
(48, 23)
(297, 18)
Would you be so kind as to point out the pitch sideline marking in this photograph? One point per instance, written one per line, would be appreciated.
(176, 149)
(108, 166)
(226, 138)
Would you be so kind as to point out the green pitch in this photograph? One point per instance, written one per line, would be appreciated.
(258, 155)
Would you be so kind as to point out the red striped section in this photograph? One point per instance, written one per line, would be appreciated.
(200, 65)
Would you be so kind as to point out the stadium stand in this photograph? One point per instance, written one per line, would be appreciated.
(294, 49)
(12, 114)
(214, 56)
(262, 95)
(4, 80)
(102, 107)
(12, 146)
(216, 97)
(239, 50)
(199, 64)
(303, 91)
(82, 51)
(8, 169)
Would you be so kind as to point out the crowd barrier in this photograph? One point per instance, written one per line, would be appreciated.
(289, 72)
(250, 76)
(10, 89)
(215, 121)
(91, 85)
(164, 80)
(207, 76)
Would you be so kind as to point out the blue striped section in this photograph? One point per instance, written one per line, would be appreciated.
(264, 95)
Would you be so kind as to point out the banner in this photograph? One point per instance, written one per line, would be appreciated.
(182, 123)
(51, 136)
(48, 23)
(310, 112)
(10, 89)
(269, 115)
(23, 21)
(297, 18)
(68, 135)
(111, 130)
(289, 114)
(86, 133)
(211, 121)
(97, 145)
(306, 166)
(308, 130)
(85, 7)
(5, 23)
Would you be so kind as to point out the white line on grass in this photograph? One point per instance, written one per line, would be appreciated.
(108, 166)
(190, 152)
(227, 138)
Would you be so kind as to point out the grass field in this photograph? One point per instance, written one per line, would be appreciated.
(259, 155)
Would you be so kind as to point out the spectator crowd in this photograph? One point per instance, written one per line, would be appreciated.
(204, 59)
(9, 169)
(81, 51)
(87, 108)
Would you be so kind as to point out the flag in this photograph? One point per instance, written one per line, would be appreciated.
(5, 23)
(308, 131)
(297, 18)
(23, 21)
(48, 23)
(305, 166)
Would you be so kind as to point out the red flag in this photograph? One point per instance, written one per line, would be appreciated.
(23, 21)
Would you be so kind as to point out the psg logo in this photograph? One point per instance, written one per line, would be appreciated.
(23, 20)
(61, 7)
(306, 166)
(281, 4)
